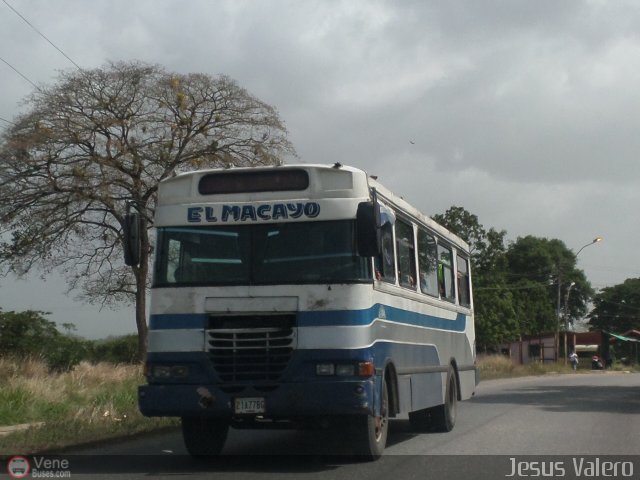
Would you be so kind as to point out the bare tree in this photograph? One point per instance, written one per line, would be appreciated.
(101, 138)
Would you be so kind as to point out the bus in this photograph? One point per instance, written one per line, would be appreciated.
(301, 296)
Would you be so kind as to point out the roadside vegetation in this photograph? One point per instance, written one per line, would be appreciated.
(30, 335)
(87, 403)
(98, 401)
(498, 366)
(68, 389)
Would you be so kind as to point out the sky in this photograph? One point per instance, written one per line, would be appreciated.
(523, 112)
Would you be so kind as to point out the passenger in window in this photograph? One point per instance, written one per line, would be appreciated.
(441, 287)
(406, 280)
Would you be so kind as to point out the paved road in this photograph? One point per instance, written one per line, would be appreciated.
(575, 415)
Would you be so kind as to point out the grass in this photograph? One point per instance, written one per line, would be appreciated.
(498, 366)
(88, 403)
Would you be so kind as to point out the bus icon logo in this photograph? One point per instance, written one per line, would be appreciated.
(18, 467)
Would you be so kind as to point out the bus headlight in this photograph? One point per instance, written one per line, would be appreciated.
(161, 371)
(325, 369)
(166, 371)
(179, 371)
(345, 370)
(362, 369)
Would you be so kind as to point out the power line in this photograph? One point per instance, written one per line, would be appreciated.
(8, 121)
(512, 287)
(20, 73)
(41, 34)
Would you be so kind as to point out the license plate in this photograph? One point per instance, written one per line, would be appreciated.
(249, 405)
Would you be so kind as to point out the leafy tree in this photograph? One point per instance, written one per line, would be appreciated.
(516, 287)
(100, 139)
(30, 334)
(493, 303)
(617, 308)
(495, 313)
(115, 350)
(541, 273)
(66, 351)
(27, 333)
(535, 312)
(466, 226)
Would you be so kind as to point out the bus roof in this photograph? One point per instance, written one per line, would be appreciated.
(409, 210)
(325, 181)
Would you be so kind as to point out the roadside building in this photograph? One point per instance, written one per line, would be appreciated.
(552, 347)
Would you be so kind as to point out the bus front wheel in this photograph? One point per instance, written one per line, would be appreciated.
(369, 432)
(204, 436)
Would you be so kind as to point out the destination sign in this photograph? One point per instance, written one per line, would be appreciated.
(252, 213)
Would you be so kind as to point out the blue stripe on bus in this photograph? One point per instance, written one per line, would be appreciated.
(327, 318)
(368, 315)
(178, 320)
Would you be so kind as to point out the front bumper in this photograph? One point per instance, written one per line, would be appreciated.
(286, 401)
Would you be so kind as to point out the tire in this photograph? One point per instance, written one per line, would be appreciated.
(444, 416)
(369, 432)
(204, 437)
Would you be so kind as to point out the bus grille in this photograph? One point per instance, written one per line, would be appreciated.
(250, 354)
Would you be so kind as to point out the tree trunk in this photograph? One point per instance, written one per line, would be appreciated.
(141, 273)
(141, 310)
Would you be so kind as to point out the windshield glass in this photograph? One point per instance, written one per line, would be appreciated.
(287, 253)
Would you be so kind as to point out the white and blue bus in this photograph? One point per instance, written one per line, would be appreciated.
(299, 295)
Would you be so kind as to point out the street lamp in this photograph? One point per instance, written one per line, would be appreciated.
(566, 322)
(595, 240)
(592, 242)
(566, 304)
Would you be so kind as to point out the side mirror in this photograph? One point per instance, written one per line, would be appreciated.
(132, 243)
(368, 229)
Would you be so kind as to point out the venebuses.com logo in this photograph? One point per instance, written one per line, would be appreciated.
(38, 467)
(18, 467)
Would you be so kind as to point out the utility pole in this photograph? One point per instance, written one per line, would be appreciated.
(559, 300)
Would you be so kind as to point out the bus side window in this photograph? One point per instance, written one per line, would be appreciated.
(464, 294)
(445, 273)
(385, 264)
(428, 263)
(406, 254)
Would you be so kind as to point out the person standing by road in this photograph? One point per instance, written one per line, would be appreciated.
(573, 358)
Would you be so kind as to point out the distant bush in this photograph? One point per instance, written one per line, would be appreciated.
(115, 350)
(26, 333)
(66, 352)
(29, 335)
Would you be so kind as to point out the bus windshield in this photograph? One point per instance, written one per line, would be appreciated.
(286, 253)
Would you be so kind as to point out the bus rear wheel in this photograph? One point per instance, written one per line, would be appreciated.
(369, 432)
(444, 416)
(204, 437)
